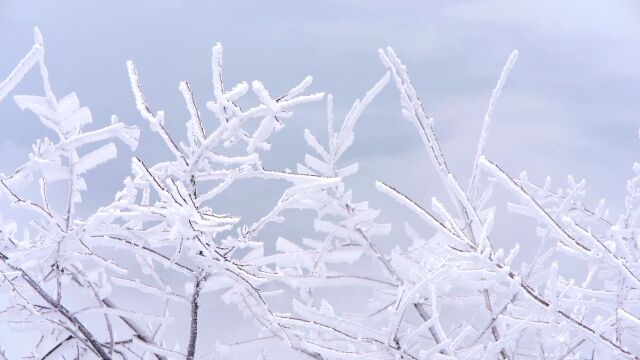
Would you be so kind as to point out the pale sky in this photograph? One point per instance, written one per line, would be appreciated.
(571, 105)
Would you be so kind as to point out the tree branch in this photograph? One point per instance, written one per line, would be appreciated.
(193, 333)
(95, 344)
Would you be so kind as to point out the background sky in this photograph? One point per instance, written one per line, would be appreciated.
(570, 105)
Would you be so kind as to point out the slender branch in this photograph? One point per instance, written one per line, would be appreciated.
(55, 348)
(95, 344)
(193, 333)
(140, 333)
(432, 330)
(27, 62)
(472, 191)
(531, 293)
(494, 328)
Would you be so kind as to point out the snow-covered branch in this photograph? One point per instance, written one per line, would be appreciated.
(107, 283)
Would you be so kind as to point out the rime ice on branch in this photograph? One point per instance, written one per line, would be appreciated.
(453, 295)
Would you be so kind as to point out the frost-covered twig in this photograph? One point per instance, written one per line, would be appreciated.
(452, 294)
(484, 132)
(195, 305)
(88, 335)
(27, 62)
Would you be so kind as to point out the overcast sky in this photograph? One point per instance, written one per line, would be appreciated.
(571, 105)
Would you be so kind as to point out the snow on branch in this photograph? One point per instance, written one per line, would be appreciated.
(318, 272)
(484, 132)
(27, 62)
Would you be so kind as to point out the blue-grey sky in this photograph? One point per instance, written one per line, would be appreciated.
(570, 105)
